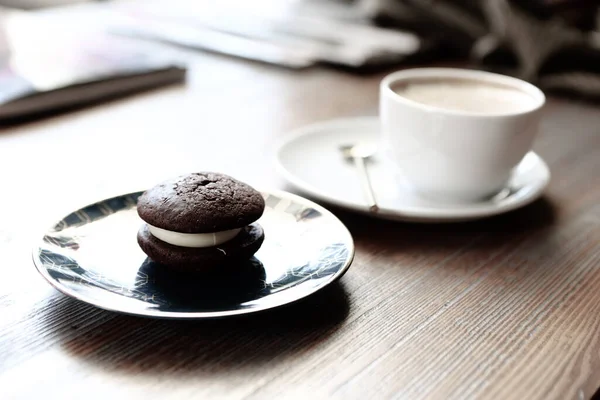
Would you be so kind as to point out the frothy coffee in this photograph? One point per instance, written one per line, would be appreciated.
(465, 95)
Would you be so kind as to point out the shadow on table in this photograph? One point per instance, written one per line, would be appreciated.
(534, 219)
(139, 345)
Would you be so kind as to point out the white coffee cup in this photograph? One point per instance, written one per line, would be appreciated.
(456, 150)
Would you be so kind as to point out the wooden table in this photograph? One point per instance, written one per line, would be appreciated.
(506, 308)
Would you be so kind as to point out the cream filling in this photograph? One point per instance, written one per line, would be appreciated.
(193, 239)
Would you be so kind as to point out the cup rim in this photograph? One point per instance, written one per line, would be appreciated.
(484, 76)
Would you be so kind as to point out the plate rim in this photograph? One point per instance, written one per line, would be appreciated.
(182, 315)
(404, 214)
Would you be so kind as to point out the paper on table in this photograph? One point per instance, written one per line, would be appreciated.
(276, 32)
(45, 64)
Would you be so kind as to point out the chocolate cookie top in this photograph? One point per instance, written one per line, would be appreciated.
(200, 203)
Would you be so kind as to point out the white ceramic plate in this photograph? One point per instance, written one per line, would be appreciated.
(310, 160)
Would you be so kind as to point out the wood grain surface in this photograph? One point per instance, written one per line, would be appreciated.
(505, 308)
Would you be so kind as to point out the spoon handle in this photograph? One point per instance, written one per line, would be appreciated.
(361, 166)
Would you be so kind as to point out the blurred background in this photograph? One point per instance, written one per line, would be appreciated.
(56, 51)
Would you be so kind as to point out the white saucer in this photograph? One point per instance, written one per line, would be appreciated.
(310, 160)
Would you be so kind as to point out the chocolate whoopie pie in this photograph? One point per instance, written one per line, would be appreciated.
(200, 222)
